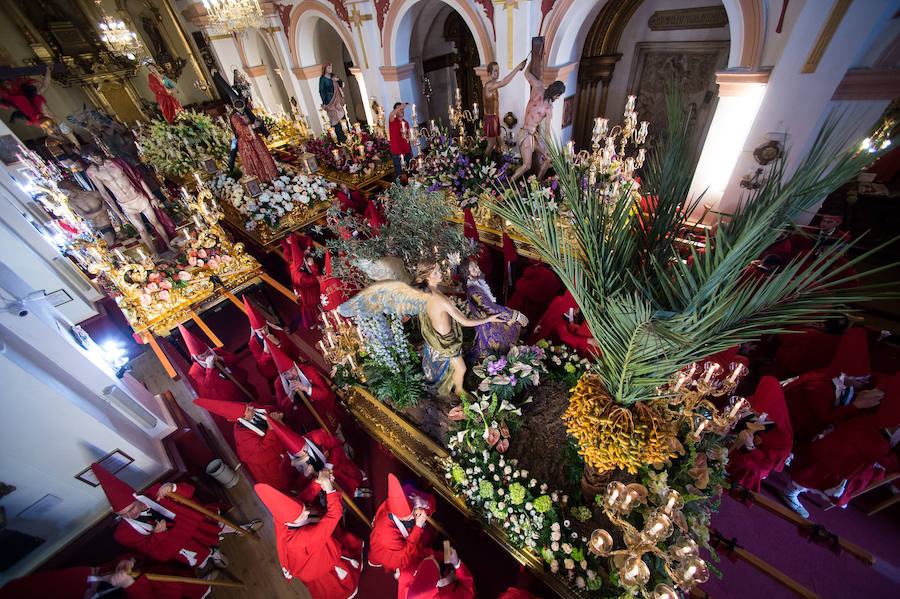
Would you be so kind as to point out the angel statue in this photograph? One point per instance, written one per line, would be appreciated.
(440, 320)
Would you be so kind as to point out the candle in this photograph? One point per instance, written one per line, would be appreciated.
(711, 371)
(736, 408)
(361, 150)
(700, 428)
(402, 161)
(184, 193)
(197, 221)
(681, 381)
(322, 347)
(629, 104)
(475, 109)
(336, 154)
(141, 254)
(352, 365)
(656, 528)
(332, 133)
(414, 111)
(738, 371)
(330, 339)
(613, 496)
(433, 126)
(570, 148)
(119, 254)
(671, 500)
(458, 96)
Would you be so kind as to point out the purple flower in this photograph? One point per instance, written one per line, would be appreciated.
(512, 380)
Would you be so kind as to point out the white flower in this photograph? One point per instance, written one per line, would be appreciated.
(566, 548)
(507, 470)
(554, 546)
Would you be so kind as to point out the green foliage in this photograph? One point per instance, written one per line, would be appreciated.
(417, 229)
(344, 378)
(175, 149)
(403, 386)
(653, 313)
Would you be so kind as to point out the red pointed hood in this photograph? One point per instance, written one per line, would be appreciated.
(292, 442)
(229, 410)
(119, 494)
(282, 362)
(283, 508)
(852, 357)
(888, 414)
(255, 318)
(769, 398)
(328, 263)
(424, 584)
(509, 250)
(194, 344)
(470, 230)
(398, 503)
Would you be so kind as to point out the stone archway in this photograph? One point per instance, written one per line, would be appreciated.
(399, 21)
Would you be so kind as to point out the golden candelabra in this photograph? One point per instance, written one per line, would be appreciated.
(341, 340)
(681, 561)
(688, 397)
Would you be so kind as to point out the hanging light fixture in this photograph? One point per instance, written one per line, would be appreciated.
(117, 36)
(233, 15)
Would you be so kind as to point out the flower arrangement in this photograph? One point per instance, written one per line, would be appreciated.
(361, 153)
(279, 197)
(174, 149)
(563, 363)
(464, 172)
(389, 363)
(508, 375)
(485, 422)
(160, 280)
(533, 516)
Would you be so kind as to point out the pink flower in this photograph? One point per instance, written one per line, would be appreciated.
(493, 435)
(192, 261)
(183, 275)
(146, 299)
(202, 253)
(502, 445)
(192, 252)
(212, 262)
(150, 288)
(165, 284)
(225, 258)
(153, 277)
(457, 413)
(199, 262)
(163, 295)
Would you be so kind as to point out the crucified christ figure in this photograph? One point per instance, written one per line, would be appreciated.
(538, 114)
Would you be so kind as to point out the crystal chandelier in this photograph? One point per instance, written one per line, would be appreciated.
(233, 15)
(117, 36)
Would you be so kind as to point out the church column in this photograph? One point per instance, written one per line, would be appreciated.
(399, 86)
(308, 79)
(740, 94)
(259, 78)
(822, 46)
(363, 92)
(514, 27)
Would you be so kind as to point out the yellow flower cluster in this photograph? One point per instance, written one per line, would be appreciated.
(611, 435)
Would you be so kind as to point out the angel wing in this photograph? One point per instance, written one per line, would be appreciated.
(385, 297)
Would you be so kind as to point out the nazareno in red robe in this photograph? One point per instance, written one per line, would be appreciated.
(388, 547)
(534, 291)
(209, 382)
(266, 458)
(191, 532)
(555, 327)
(296, 415)
(347, 474)
(264, 362)
(314, 551)
(773, 447)
(462, 588)
(858, 450)
(143, 588)
(304, 278)
(168, 105)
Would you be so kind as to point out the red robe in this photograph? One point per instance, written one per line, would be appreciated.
(265, 456)
(304, 279)
(312, 552)
(347, 475)
(810, 401)
(851, 451)
(190, 532)
(463, 588)
(389, 548)
(806, 351)
(514, 593)
(772, 447)
(534, 291)
(168, 105)
(555, 327)
(209, 382)
(264, 362)
(67, 583)
(296, 415)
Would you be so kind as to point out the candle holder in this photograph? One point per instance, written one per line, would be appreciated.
(680, 562)
(341, 341)
(689, 396)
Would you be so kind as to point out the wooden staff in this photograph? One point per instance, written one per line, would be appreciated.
(804, 525)
(211, 514)
(185, 579)
(355, 508)
(221, 368)
(772, 572)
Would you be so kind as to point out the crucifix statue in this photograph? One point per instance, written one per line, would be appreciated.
(357, 19)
